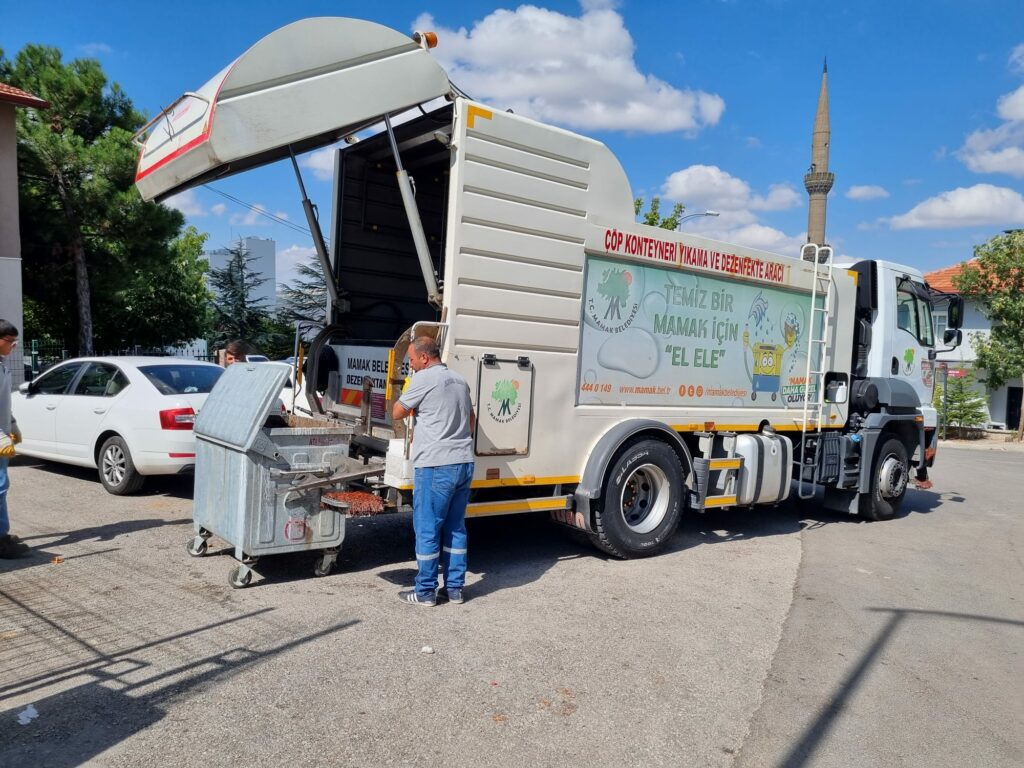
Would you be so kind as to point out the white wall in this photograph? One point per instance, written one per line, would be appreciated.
(10, 238)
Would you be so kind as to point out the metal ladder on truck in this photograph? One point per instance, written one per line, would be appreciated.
(814, 379)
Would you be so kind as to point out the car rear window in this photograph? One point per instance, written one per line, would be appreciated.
(182, 379)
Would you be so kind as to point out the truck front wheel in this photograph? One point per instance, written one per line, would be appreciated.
(889, 475)
(641, 502)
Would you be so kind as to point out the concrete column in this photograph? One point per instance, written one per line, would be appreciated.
(10, 238)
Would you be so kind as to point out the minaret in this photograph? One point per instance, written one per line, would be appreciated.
(818, 180)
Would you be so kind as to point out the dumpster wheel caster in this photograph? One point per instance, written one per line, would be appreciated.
(325, 564)
(240, 577)
(196, 546)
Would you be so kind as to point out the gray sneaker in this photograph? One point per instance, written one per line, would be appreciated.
(451, 594)
(414, 597)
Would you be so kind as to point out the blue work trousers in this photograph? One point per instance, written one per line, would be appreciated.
(5, 483)
(439, 520)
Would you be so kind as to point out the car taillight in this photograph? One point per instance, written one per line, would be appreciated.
(177, 418)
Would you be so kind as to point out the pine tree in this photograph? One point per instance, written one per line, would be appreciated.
(238, 314)
(964, 408)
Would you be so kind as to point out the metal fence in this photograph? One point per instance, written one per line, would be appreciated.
(38, 357)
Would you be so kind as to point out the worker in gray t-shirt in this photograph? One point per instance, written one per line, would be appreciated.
(442, 460)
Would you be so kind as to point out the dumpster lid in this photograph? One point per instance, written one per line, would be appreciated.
(236, 409)
(301, 87)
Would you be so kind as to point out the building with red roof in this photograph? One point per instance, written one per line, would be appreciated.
(1004, 404)
(11, 99)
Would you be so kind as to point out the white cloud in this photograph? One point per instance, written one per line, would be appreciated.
(708, 186)
(866, 192)
(1016, 61)
(756, 235)
(321, 163)
(578, 71)
(252, 218)
(218, 209)
(281, 215)
(95, 49)
(289, 258)
(1000, 149)
(980, 205)
(187, 202)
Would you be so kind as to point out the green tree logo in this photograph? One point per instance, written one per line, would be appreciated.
(505, 392)
(908, 361)
(614, 286)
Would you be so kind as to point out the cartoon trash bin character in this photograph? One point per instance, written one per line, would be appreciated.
(767, 370)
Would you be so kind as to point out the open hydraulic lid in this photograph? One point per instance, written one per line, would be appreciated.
(301, 87)
(238, 405)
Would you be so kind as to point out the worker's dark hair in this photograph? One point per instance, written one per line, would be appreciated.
(240, 349)
(427, 346)
(7, 328)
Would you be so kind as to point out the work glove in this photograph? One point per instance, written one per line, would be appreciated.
(15, 434)
(6, 446)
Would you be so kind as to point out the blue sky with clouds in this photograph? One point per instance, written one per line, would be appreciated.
(710, 102)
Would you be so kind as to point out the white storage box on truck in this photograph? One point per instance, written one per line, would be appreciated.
(621, 373)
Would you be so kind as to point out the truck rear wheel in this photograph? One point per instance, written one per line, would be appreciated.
(641, 502)
(889, 476)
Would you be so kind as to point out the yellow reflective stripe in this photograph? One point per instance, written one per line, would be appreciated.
(720, 501)
(503, 507)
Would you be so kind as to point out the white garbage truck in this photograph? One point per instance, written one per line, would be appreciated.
(622, 374)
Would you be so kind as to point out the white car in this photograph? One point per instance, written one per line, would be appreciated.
(127, 416)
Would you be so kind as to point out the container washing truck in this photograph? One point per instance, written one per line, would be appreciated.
(622, 374)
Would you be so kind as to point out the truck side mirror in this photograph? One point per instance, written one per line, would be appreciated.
(955, 313)
(953, 337)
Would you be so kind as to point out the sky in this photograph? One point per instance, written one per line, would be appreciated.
(707, 102)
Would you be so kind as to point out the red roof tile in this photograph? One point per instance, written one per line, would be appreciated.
(942, 279)
(17, 96)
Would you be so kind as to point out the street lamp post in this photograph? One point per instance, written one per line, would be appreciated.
(697, 215)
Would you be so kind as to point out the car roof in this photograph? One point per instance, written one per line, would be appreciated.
(137, 360)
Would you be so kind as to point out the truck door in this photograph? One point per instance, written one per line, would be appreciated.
(909, 346)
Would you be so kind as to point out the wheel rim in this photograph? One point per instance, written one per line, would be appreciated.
(892, 477)
(115, 465)
(645, 498)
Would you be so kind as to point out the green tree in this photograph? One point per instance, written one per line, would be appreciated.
(305, 298)
(653, 217)
(995, 280)
(147, 306)
(965, 408)
(237, 313)
(87, 236)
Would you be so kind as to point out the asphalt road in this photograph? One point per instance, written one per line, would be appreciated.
(782, 637)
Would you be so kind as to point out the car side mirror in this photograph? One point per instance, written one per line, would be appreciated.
(26, 388)
(953, 337)
(955, 313)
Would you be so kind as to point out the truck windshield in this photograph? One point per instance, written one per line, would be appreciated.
(914, 311)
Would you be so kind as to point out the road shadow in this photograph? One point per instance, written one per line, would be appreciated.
(119, 696)
(174, 486)
(803, 750)
(50, 552)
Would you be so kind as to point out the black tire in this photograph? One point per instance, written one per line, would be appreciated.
(116, 468)
(641, 502)
(890, 474)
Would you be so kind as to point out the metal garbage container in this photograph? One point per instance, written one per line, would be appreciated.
(259, 487)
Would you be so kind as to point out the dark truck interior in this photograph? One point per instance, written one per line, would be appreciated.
(375, 264)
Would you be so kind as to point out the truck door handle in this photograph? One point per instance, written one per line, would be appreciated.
(99, 410)
(895, 366)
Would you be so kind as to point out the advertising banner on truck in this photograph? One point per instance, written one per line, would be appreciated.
(356, 362)
(667, 336)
